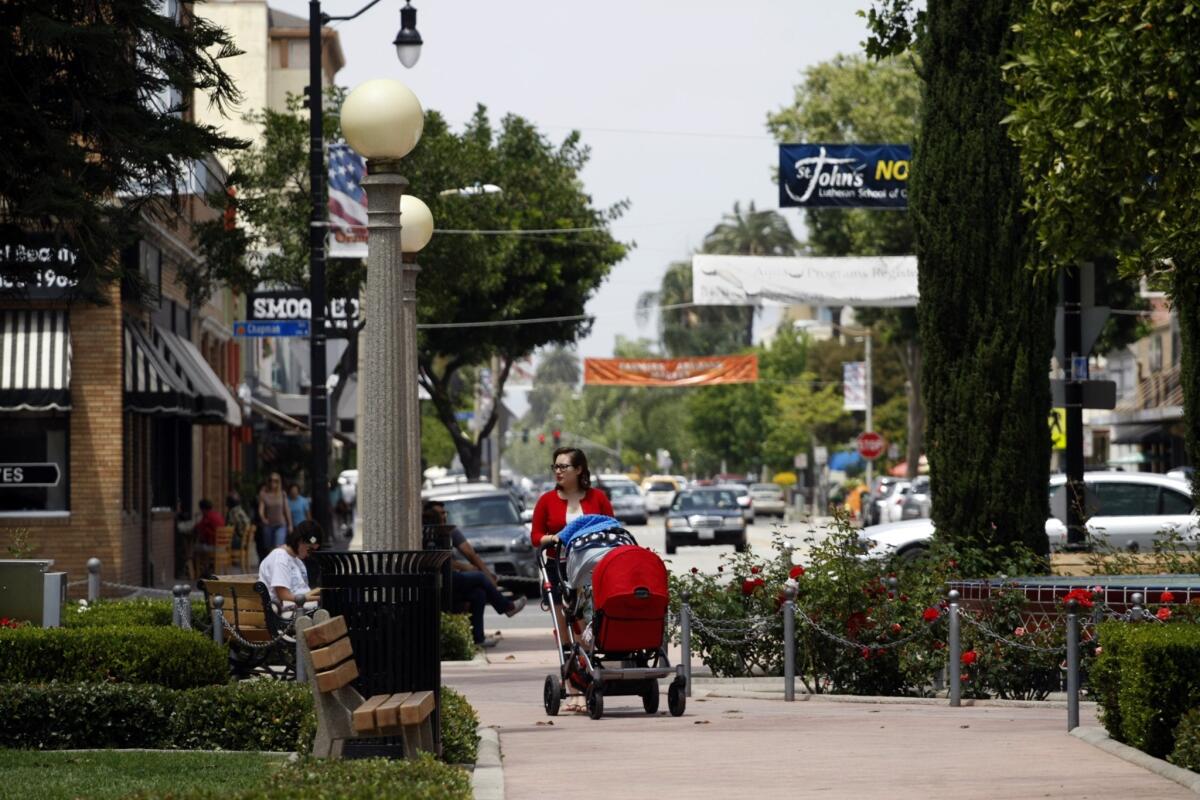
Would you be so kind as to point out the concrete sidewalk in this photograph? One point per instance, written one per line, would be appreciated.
(766, 748)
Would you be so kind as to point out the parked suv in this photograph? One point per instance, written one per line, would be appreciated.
(1129, 510)
(492, 524)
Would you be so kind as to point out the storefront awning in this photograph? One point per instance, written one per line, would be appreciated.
(1140, 433)
(213, 401)
(152, 386)
(35, 360)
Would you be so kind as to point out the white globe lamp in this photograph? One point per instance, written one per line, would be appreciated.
(416, 224)
(382, 119)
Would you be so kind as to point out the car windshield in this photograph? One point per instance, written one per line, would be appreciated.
(661, 486)
(622, 490)
(705, 501)
(766, 488)
(473, 512)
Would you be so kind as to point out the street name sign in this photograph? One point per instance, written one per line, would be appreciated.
(871, 445)
(20, 476)
(288, 327)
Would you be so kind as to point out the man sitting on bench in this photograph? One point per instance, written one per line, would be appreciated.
(283, 570)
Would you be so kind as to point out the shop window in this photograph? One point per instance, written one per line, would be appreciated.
(171, 460)
(35, 439)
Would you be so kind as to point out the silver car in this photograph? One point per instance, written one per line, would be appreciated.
(628, 504)
(492, 524)
(767, 498)
(1127, 510)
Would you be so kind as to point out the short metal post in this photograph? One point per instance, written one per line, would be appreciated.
(955, 663)
(789, 644)
(185, 606)
(685, 638)
(1072, 665)
(1137, 612)
(93, 585)
(218, 618)
(176, 611)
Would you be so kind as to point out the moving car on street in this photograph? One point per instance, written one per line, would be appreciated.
(743, 498)
(628, 504)
(1129, 510)
(767, 498)
(706, 516)
(490, 520)
(660, 492)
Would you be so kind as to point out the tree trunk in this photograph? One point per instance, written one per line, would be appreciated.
(986, 328)
(916, 409)
(1185, 297)
(470, 451)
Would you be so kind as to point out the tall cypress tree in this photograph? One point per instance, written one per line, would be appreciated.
(986, 324)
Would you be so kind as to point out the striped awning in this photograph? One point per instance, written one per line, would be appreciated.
(213, 401)
(152, 386)
(35, 360)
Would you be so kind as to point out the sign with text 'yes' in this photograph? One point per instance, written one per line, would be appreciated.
(844, 175)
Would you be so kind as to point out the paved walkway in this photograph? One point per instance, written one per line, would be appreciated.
(736, 747)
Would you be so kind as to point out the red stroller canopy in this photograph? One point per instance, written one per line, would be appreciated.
(629, 592)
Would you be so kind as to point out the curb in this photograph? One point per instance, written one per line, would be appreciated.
(1098, 737)
(747, 689)
(487, 780)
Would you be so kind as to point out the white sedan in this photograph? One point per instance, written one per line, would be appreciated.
(1127, 509)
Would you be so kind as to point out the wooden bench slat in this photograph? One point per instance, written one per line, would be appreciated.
(327, 657)
(364, 715)
(337, 677)
(247, 618)
(416, 708)
(387, 715)
(254, 634)
(325, 633)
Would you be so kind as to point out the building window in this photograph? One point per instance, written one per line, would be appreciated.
(297, 57)
(171, 460)
(35, 439)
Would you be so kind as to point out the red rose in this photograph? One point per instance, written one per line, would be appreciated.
(896, 627)
(695, 570)
(1081, 596)
(1166, 597)
(930, 615)
(720, 568)
(866, 653)
(747, 586)
(969, 657)
(755, 570)
(1164, 614)
(903, 598)
(796, 571)
(938, 645)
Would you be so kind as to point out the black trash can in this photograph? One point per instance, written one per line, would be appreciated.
(391, 600)
(437, 537)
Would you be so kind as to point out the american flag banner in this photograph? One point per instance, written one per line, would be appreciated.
(347, 203)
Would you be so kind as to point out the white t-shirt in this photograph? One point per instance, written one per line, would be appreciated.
(281, 568)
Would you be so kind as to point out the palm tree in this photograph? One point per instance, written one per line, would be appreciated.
(687, 330)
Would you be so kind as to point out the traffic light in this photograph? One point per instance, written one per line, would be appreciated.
(541, 438)
(557, 438)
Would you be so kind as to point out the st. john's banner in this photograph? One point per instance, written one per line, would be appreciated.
(695, 371)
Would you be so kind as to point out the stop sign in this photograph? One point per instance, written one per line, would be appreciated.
(871, 445)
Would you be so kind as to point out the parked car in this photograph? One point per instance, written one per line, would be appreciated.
(628, 504)
(706, 516)
(768, 499)
(873, 515)
(492, 524)
(918, 500)
(892, 508)
(743, 498)
(1128, 510)
(660, 492)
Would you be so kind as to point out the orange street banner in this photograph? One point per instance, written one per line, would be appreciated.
(696, 371)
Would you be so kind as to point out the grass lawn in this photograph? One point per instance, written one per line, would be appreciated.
(48, 775)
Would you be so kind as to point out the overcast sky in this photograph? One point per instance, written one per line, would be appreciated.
(671, 97)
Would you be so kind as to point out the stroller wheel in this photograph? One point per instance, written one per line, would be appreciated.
(676, 699)
(595, 701)
(650, 698)
(552, 694)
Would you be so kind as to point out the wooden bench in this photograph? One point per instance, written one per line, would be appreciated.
(343, 713)
(247, 608)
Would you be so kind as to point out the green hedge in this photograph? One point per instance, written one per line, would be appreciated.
(169, 657)
(422, 778)
(1149, 678)
(460, 742)
(1187, 742)
(125, 613)
(248, 715)
(457, 642)
(165, 656)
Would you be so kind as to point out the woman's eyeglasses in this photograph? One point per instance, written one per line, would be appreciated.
(561, 467)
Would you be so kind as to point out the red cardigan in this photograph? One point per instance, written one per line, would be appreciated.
(550, 513)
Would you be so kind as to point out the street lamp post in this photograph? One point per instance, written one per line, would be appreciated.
(382, 120)
(408, 50)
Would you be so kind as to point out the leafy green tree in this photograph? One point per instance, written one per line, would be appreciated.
(466, 277)
(853, 99)
(558, 373)
(985, 324)
(1106, 118)
(87, 116)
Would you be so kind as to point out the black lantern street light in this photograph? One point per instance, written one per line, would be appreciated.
(408, 50)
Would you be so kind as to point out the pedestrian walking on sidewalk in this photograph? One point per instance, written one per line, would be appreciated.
(273, 508)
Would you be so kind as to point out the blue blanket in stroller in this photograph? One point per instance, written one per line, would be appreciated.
(582, 526)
